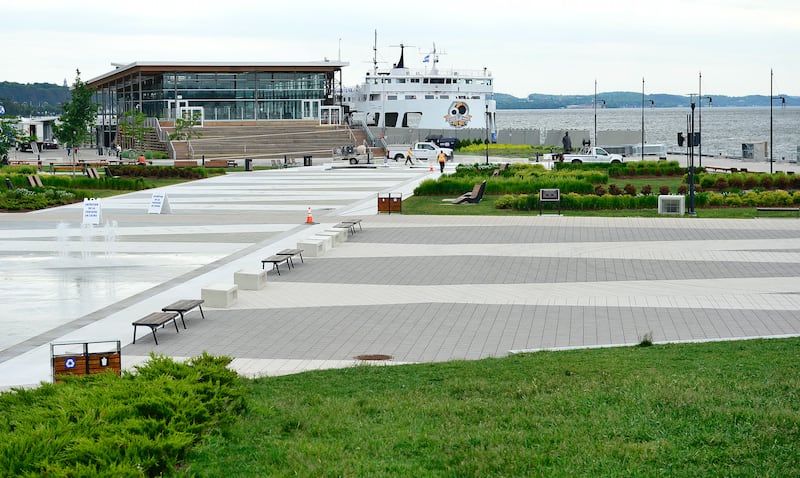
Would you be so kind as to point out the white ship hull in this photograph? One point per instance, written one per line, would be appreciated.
(423, 99)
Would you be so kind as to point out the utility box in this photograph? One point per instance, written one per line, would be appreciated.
(390, 202)
(671, 204)
(85, 358)
(755, 151)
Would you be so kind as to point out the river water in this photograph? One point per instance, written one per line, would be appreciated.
(723, 129)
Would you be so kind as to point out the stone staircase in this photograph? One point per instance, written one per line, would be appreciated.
(272, 140)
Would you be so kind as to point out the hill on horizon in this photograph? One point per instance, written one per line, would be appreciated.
(33, 99)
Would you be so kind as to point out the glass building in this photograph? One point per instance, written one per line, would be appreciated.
(220, 91)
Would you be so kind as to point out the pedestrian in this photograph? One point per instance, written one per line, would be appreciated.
(442, 158)
(567, 143)
(141, 161)
(409, 160)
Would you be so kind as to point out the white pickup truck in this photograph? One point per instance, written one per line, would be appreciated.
(419, 151)
(593, 155)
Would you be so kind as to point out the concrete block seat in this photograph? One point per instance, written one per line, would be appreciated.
(220, 295)
(250, 279)
(314, 246)
(338, 235)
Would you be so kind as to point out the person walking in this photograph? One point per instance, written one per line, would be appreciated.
(409, 159)
(442, 158)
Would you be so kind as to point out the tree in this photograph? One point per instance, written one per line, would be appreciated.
(79, 114)
(131, 127)
(9, 135)
(185, 127)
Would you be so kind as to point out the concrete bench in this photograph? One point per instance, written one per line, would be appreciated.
(220, 295)
(338, 235)
(314, 247)
(250, 279)
(154, 321)
(184, 306)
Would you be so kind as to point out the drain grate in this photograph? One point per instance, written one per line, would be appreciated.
(373, 357)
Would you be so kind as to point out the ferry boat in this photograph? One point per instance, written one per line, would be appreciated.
(430, 98)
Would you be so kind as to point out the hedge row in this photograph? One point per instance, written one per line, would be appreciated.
(451, 185)
(141, 424)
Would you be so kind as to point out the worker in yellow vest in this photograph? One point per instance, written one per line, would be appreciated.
(442, 159)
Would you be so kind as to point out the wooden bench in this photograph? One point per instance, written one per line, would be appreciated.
(179, 163)
(473, 196)
(109, 174)
(290, 253)
(154, 321)
(92, 173)
(54, 168)
(714, 169)
(778, 209)
(215, 163)
(184, 306)
(276, 260)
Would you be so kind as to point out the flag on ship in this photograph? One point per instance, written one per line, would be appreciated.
(426, 59)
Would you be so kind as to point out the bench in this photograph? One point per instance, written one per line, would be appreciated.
(220, 295)
(180, 163)
(184, 306)
(54, 168)
(276, 260)
(92, 173)
(215, 163)
(250, 279)
(291, 253)
(473, 196)
(109, 174)
(351, 225)
(778, 209)
(714, 169)
(154, 321)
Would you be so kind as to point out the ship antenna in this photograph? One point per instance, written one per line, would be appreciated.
(375, 53)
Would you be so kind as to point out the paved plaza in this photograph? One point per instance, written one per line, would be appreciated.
(416, 288)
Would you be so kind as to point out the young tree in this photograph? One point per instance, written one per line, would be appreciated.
(185, 128)
(131, 127)
(79, 115)
(9, 135)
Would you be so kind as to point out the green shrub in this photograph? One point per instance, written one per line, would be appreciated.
(505, 202)
(716, 199)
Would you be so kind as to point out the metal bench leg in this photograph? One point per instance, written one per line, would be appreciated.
(134, 334)
(176, 324)
(153, 330)
(276, 267)
(182, 321)
(201, 312)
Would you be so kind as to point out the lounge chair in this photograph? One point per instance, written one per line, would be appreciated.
(473, 196)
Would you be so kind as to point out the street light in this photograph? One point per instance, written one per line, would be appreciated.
(652, 104)
(595, 112)
(700, 99)
(487, 133)
(691, 160)
(771, 100)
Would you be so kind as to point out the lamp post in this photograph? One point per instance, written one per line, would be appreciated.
(691, 163)
(771, 100)
(595, 112)
(487, 133)
(642, 118)
(700, 99)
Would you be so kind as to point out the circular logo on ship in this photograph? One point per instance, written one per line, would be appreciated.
(458, 116)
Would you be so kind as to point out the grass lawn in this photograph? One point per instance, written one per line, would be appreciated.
(712, 409)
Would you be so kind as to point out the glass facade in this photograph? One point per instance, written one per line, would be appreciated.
(223, 96)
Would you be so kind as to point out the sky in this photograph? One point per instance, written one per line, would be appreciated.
(554, 47)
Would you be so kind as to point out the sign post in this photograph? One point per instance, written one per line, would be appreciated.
(549, 195)
(159, 203)
(92, 213)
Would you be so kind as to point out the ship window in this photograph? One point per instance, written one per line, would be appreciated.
(391, 97)
(414, 80)
(411, 97)
(437, 81)
(428, 97)
(449, 80)
(374, 97)
(444, 97)
(391, 120)
(401, 80)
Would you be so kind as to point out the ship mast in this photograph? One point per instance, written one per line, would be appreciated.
(375, 54)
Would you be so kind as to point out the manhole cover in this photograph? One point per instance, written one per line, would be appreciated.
(373, 357)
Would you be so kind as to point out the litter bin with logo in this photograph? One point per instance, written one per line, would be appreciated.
(248, 164)
(307, 161)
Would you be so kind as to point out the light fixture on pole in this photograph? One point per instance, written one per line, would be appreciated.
(771, 100)
(700, 99)
(487, 133)
(595, 112)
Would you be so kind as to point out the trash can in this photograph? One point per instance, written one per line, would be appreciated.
(247, 164)
(307, 161)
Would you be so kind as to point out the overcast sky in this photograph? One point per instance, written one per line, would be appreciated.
(550, 47)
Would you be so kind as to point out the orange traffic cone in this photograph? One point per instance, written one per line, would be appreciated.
(431, 168)
(309, 219)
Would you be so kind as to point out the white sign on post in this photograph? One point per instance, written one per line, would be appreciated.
(159, 203)
(91, 211)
